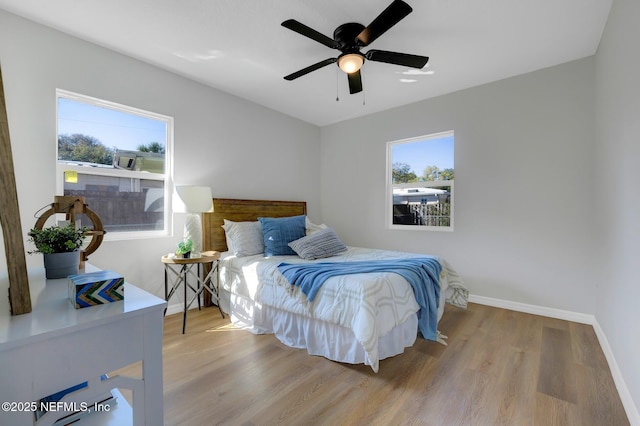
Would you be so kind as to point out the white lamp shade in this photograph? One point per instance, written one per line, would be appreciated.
(351, 62)
(192, 199)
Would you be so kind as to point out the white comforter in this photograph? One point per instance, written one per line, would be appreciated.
(370, 310)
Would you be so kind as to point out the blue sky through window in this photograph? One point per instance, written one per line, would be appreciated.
(115, 129)
(420, 154)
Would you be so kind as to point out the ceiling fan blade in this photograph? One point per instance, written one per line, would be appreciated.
(404, 59)
(393, 14)
(300, 28)
(310, 68)
(355, 82)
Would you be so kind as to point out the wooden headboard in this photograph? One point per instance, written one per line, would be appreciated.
(213, 237)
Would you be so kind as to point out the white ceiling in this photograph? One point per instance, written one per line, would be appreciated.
(241, 48)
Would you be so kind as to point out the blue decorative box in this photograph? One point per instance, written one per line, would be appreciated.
(95, 288)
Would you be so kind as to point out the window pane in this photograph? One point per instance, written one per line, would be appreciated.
(116, 157)
(422, 205)
(422, 160)
(421, 175)
(123, 204)
(90, 133)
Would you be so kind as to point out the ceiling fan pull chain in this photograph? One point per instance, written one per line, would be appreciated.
(364, 100)
(337, 76)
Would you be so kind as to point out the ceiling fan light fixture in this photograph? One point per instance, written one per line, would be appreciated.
(350, 62)
(350, 37)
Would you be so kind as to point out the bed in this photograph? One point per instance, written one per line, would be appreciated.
(358, 318)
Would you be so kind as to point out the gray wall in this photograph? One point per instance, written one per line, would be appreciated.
(618, 174)
(237, 147)
(524, 199)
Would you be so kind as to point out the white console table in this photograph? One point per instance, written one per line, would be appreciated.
(57, 346)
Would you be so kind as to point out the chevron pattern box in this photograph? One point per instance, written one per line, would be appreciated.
(95, 288)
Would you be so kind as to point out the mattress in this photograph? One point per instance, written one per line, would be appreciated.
(359, 318)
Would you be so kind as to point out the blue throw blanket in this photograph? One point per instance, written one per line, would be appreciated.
(422, 273)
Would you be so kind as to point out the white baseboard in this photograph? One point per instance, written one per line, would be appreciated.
(533, 309)
(623, 391)
(177, 308)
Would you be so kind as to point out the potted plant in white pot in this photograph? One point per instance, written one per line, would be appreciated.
(60, 246)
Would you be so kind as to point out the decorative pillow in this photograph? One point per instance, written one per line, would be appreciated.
(312, 227)
(243, 238)
(279, 232)
(320, 244)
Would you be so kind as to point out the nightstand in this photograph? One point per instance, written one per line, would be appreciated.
(178, 270)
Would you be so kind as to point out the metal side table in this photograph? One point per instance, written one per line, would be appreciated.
(178, 270)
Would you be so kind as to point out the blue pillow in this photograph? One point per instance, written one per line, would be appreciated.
(279, 232)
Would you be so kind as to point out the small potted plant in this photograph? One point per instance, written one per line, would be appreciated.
(60, 246)
(184, 249)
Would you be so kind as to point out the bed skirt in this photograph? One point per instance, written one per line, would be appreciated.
(320, 338)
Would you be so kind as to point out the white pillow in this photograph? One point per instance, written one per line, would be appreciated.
(312, 227)
(320, 244)
(244, 238)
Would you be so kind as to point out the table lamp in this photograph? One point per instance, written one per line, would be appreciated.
(193, 200)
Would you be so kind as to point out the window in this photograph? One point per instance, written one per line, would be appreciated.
(118, 158)
(420, 183)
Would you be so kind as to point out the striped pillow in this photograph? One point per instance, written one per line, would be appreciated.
(320, 244)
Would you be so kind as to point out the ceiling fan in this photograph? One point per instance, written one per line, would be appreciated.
(349, 38)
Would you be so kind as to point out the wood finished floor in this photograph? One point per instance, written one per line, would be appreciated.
(500, 368)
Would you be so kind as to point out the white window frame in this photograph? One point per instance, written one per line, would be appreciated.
(167, 176)
(390, 186)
